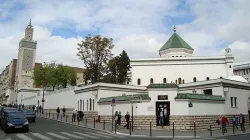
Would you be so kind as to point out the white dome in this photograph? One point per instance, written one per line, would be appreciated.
(237, 78)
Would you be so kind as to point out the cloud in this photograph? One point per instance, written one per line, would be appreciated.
(140, 27)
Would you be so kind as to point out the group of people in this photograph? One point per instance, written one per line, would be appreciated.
(223, 121)
(77, 115)
(58, 111)
(118, 118)
(35, 109)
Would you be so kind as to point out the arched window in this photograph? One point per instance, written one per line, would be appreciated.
(151, 81)
(90, 104)
(221, 77)
(87, 104)
(208, 78)
(83, 105)
(183, 82)
(93, 104)
(164, 80)
(194, 79)
(179, 80)
(138, 81)
(175, 81)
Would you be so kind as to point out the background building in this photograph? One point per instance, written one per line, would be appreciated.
(19, 72)
(242, 69)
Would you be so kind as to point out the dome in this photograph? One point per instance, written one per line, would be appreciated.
(237, 78)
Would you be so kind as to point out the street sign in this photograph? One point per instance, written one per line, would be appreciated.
(43, 100)
(113, 101)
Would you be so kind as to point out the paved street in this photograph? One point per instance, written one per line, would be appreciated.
(45, 129)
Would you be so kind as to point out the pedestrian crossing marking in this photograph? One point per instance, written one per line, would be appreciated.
(23, 137)
(71, 135)
(99, 135)
(58, 136)
(112, 135)
(86, 135)
(41, 136)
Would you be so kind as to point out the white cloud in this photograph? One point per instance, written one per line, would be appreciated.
(140, 27)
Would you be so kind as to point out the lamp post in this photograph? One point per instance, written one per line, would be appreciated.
(43, 87)
(133, 99)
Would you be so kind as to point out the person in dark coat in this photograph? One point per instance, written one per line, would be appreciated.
(127, 118)
(242, 122)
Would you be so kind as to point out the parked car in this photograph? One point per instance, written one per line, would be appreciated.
(2, 109)
(14, 120)
(30, 115)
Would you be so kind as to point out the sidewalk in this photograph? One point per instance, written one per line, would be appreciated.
(89, 123)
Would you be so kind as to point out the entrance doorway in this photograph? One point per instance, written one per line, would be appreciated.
(165, 108)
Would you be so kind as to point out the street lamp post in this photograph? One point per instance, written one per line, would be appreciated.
(43, 88)
(133, 99)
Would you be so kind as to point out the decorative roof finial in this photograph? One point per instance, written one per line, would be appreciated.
(174, 28)
(30, 23)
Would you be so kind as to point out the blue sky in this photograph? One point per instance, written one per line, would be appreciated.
(140, 27)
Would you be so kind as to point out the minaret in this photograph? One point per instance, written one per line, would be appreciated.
(26, 59)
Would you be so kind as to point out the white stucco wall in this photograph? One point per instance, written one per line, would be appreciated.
(186, 68)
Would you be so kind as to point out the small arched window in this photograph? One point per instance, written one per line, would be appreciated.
(221, 77)
(164, 80)
(175, 81)
(183, 82)
(138, 81)
(90, 104)
(151, 81)
(208, 78)
(179, 80)
(93, 104)
(194, 79)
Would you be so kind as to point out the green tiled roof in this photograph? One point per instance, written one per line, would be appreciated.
(124, 98)
(163, 85)
(199, 97)
(175, 41)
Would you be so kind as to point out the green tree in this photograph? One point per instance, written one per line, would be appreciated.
(95, 52)
(54, 75)
(117, 69)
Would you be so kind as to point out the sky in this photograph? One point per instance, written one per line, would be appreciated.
(140, 27)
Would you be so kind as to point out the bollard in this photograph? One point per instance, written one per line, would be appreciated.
(86, 122)
(49, 114)
(104, 125)
(94, 122)
(115, 127)
(173, 129)
(46, 114)
(150, 129)
(61, 117)
(130, 128)
(72, 118)
(78, 121)
(53, 115)
(57, 116)
(194, 129)
(233, 128)
(66, 118)
(210, 128)
(222, 129)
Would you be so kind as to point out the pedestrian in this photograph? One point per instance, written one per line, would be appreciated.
(224, 124)
(235, 122)
(242, 122)
(40, 108)
(127, 117)
(74, 116)
(58, 112)
(161, 118)
(35, 109)
(119, 120)
(64, 110)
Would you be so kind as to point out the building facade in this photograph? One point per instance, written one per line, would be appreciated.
(18, 74)
(242, 69)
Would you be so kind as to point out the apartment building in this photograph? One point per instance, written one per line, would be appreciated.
(242, 69)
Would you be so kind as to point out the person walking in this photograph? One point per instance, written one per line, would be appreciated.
(242, 122)
(224, 124)
(127, 118)
(64, 110)
(119, 120)
(235, 122)
(58, 112)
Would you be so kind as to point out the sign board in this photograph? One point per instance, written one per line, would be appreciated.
(43, 100)
(162, 97)
(190, 104)
(113, 101)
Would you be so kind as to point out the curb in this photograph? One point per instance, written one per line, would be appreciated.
(77, 125)
(247, 133)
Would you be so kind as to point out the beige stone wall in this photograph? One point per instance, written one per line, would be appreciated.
(181, 123)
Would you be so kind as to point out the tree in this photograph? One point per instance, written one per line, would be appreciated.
(54, 75)
(95, 52)
(117, 69)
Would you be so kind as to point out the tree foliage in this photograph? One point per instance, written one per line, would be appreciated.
(117, 68)
(54, 75)
(95, 52)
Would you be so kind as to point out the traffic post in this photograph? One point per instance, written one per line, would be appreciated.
(113, 105)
